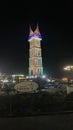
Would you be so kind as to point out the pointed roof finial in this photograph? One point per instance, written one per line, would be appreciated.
(37, 30)
(30, 30)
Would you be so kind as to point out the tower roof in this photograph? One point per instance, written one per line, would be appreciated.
(30, 31)
(34, 34)
(37, 30)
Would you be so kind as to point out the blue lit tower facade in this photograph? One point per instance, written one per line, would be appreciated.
(35, 55)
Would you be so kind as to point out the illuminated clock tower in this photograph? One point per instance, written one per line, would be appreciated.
(35, 55)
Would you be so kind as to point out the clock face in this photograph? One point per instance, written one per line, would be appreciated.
(37, 43)
(34, 43)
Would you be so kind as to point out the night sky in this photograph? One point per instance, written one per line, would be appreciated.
(56, 27)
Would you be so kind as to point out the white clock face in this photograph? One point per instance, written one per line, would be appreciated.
(34, 43)
(37, 43)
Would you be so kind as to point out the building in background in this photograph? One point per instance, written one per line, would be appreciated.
(35, 55)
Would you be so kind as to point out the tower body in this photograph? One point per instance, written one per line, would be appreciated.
(35, 53)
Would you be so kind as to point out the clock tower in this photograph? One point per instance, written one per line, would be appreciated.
(35, 53)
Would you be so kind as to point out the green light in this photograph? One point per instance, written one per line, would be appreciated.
(14, 75)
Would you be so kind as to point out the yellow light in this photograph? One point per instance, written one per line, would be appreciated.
(68, 68)
(64, 79)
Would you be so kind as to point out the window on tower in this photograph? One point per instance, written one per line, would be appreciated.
(35, 53)
(40, 60)
(39, 53)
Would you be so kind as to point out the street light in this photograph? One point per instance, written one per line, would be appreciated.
(69, 69)
(43, 76)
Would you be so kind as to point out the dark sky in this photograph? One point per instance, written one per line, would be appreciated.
(56, 27)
